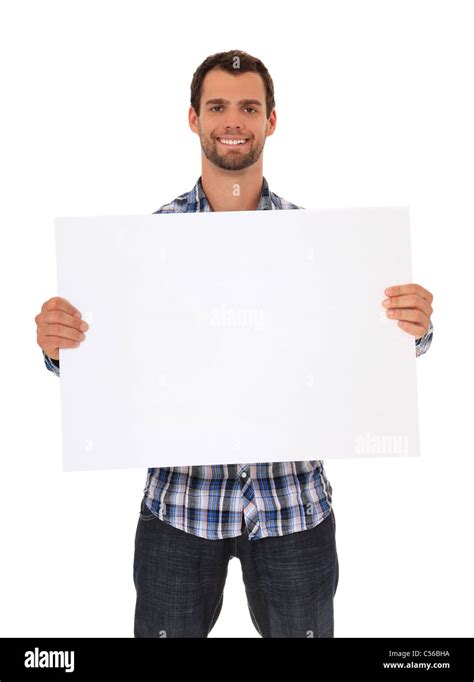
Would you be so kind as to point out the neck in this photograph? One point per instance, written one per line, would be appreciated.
(232, 190)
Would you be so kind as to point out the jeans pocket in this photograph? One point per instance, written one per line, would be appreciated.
(145, 514)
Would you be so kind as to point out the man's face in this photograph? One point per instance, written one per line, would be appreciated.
(232, 108)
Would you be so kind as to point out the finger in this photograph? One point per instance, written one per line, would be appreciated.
(398, 289)
(61, 342)
(54, 343)
(410, 315)
(59, 317)
(59, 303)
(411, 328)
(408, 301)
(61, 331)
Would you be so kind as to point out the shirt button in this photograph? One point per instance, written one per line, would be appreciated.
(244, 474)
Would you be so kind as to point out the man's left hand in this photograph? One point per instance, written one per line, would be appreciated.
(410, 304)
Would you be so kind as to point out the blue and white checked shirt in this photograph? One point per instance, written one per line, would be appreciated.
(221, 501)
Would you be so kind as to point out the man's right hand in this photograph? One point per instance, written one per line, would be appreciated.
(59, 325)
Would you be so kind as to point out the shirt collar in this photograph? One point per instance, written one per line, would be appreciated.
(198, 196)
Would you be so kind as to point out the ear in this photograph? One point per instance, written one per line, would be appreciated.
(272, 119)
(193, 120)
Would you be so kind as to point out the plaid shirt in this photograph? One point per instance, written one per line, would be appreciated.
(220, 501)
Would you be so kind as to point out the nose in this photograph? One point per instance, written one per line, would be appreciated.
(231, 128)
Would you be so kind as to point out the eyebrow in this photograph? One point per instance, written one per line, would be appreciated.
(219, 100)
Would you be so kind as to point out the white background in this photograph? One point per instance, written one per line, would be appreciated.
(374, 106)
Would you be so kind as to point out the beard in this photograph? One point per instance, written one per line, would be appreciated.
(232, 162)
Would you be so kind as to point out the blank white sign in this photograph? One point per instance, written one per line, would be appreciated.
(236, 337)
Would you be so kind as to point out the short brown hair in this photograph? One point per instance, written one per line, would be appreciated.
(227, 61)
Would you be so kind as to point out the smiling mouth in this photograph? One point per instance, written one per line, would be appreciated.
(233, 145)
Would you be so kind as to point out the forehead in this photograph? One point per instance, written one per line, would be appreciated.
(219, 83)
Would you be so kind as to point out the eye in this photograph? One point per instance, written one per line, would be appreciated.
(219, 106)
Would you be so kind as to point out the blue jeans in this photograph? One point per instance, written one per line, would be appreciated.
(290, 580)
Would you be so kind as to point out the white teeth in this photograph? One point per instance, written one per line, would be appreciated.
(232, 141)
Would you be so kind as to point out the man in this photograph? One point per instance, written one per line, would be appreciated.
(277, 518)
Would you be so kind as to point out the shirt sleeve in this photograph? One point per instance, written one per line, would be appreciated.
(51, 364)
(424, 342)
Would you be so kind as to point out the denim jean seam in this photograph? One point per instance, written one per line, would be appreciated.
(146, 517)
(215, 609)
(255, 619)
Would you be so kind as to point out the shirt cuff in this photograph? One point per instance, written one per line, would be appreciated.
(423, 343)
(51, 364)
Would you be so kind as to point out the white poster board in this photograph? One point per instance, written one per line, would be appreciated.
(236, 337)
